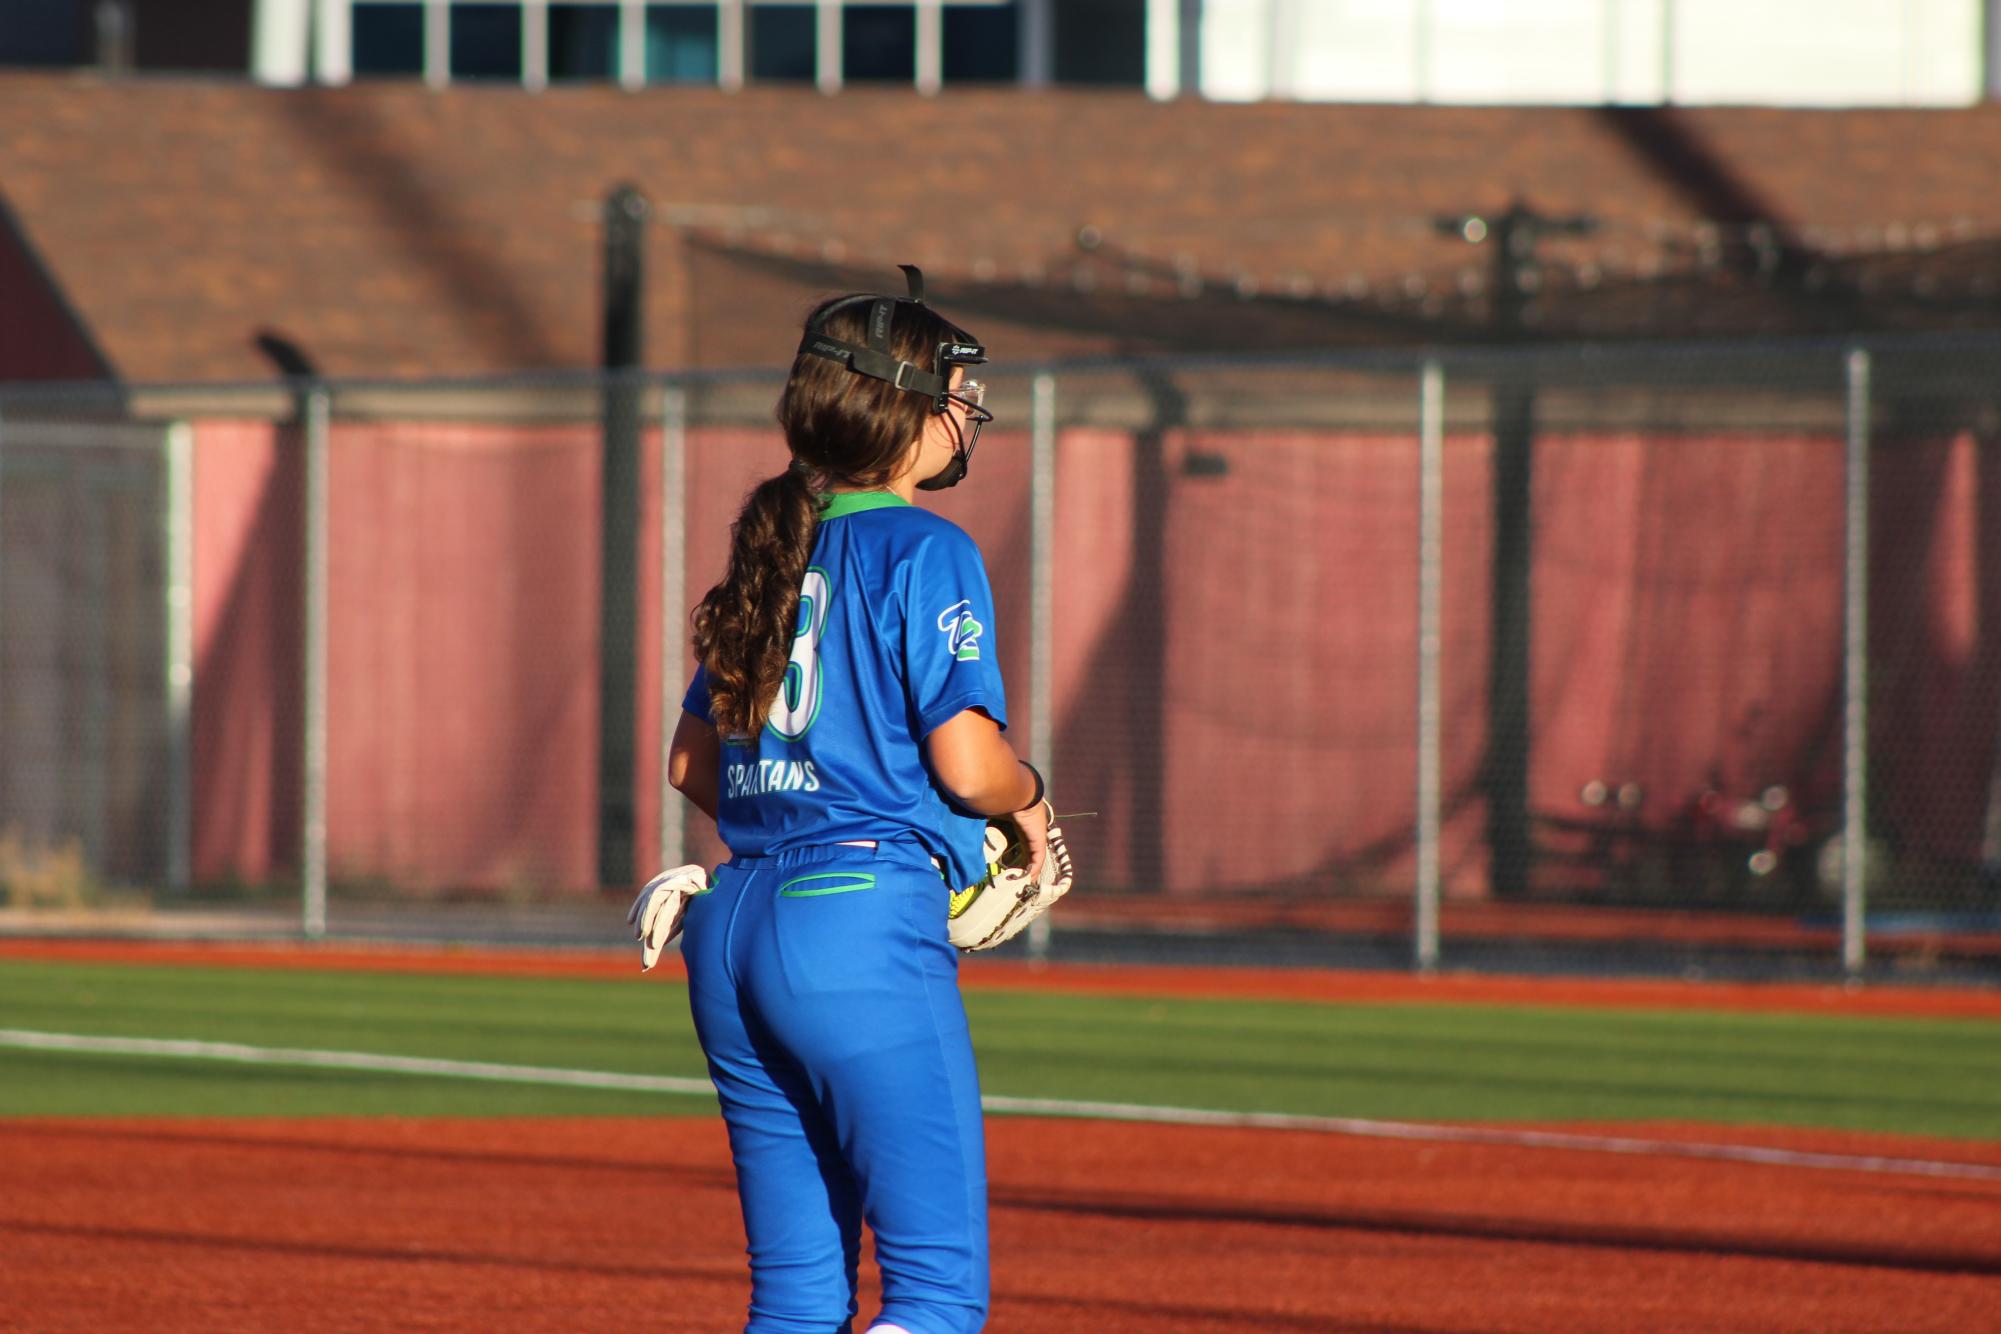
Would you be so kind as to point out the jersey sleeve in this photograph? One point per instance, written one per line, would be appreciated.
(696, 701)
(950, 662)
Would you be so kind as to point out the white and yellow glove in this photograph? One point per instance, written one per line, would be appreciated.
(996, 909)
(656, 914)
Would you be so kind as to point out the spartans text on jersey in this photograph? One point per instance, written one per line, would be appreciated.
(754, 780)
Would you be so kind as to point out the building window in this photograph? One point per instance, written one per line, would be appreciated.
(53, 32)
(486, 41)
(982, 44)
(1101, 42)
(388, 39)
(782, 45)
(583, 42)
(571, 41)
(681, 44)
(879, 44)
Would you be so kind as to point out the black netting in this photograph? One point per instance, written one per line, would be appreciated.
(1642, 657)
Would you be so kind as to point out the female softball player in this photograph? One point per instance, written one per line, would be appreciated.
(845, 729)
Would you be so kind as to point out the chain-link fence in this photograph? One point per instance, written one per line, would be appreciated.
(1598, 657)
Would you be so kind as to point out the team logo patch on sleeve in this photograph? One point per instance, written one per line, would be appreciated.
(961, 630)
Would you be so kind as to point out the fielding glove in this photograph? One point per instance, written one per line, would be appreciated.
(1007, 899)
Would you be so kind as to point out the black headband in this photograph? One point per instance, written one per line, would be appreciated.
(874, 359)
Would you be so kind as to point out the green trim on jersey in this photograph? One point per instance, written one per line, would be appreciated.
(840, 504)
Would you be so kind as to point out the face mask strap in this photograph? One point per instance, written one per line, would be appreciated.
(874, 359)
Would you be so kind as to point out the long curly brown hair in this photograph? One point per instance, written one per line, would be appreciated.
(844, 429)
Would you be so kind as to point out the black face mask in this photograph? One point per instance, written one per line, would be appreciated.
(948, 476)
(954, 472)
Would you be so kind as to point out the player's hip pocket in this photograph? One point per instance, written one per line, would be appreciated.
(847, 926)
(825, 884)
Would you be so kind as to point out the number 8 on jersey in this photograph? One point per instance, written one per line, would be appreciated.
(798, 702)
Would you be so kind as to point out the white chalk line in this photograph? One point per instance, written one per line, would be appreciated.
(1424, 1132)
(374, 1062)
(1413, 1131)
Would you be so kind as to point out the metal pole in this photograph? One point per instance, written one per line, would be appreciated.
(313, 785)
(673, 609)
(1855, 710)
(180, 682)
(3, 528)
(1430, 583)
(1041, 599)
(1510, 660)
(624, 315)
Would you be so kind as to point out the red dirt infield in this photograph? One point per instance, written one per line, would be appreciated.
(611, 1224)
(586, 1224)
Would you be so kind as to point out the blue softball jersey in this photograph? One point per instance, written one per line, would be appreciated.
(895, 636)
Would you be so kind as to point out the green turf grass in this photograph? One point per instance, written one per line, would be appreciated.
(1417, 1061)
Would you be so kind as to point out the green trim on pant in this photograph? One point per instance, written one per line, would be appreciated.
(855, 880)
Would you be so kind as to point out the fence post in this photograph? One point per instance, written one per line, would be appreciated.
(1430, 551)
(673, 608)
(178, 538)
(623, 312)
(1855, 675)
(313, 785)
(3, 531)
(1041, 597)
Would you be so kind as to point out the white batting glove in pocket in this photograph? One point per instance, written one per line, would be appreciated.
(657, 912)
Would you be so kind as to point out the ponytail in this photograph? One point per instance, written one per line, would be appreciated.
(840, 428)
(745, 624)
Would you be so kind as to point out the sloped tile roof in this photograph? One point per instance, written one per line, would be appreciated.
(397, 231)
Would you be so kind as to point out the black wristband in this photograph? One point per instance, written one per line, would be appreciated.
(1035, 800)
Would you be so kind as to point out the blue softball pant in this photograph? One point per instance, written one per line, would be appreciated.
(825, 994)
